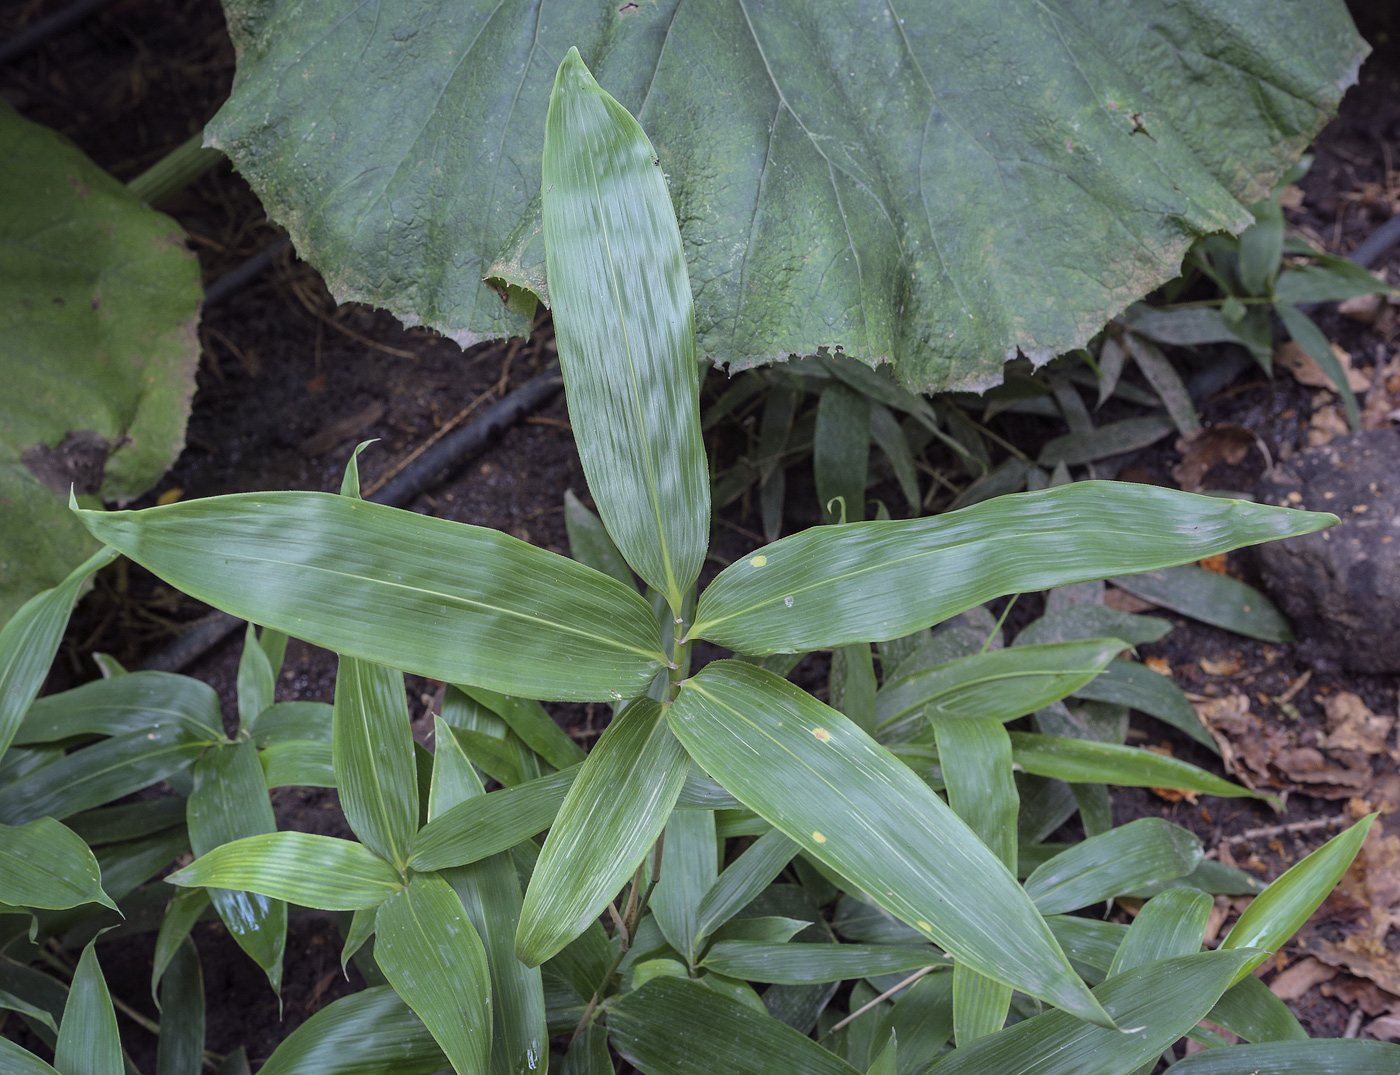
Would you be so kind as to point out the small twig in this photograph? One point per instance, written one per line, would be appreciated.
(891, 991)
(1353, 1024)
(618, 923)
(1269, 831)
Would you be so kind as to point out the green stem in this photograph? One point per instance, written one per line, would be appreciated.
(175, 171)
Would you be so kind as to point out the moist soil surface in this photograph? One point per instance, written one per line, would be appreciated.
(289, 383)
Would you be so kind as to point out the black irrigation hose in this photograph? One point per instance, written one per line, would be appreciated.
(1377, 243)
(245, 274)
(428, 470)
(34, 36)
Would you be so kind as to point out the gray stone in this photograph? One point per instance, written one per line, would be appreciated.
(1342, 585)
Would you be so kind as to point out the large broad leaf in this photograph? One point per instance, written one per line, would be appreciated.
(372, 1032)
(626, 329)
(868, 582)
(1143, 851)
(937, 184)
(830, 787)
(44, 864)
(99, 299)
(611, 816)
(1320, 1057)
(444, 600)
(431, 954)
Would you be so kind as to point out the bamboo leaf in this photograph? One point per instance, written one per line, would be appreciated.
(611, 816)
(1172, 924)
(1318, 1057)
(1155, 1004)
(229, 802)
(625, 323)
(136, 702)
(19, 1061)
(1253, 1012)
(803, 964)
(881, 580)
(88, 1043)
(1140, 852)
(841, 454)
(314, 871)
(257, 682)
(372, 751)
(1080, 761)
(672, 1026)
(440, 599)
(430, 952)
(1002, 685)
(372, 1032)
(851, 805)
(1311, 339)
(1079, 622)
(180, 1050)
(1277, 913)
(688, 871)
(1211, 598)
(29, 643)
(183, 911)
(742, 880)
(590, 543)
(1139, 687)
(46, 865)
(536, 728)
(483, 826)
(298, 763)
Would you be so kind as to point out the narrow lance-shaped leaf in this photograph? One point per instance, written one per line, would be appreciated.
(881, 580)
(1080, 761)
(688, 871)
(1281, 909)
(136, 702)
(230, 802)
(44, 864)
(183, 911)
(19, 1061)
(848, 803)
(88, 1043)
(441, 599)
(180, 1049)
(431, 954)
(841, 454)
(1141, 852)
(314, 871)
(800, 964)
(257, 682)
(1170, 924)
(374, 1027)
(625, 322)
(743, 879)
(372, 751)
(1211, 598)
(613, 813)
(29, 641)
(1322, 1056)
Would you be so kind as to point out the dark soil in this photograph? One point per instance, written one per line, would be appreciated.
(289, 383)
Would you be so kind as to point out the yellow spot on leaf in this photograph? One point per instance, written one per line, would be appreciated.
(758, 561)
(169, 496)
(819, 837)
(922, 924)
(822, 734)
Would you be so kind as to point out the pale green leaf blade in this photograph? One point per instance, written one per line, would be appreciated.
(257, 682)
(1155, 1004)
(441, 599)
(230, 802)
(44, 864)
(1319, 1057)
(20, 1061)
(689, 870)
(88, 1043)
(625, 323)
(136, 702)
(180, 1049)
(1081, 761)
(1079, 622)
(1172, 924)
(590, 543)
(11, 1003)
(491, 823)
(29, 641)
(1140, 852)
(1253, 1012)
(848, 803)
(533, 724)
(980, 1005)
(298, 763)
(1165, 382)
(612, 814)
(743, 879)
(1001, 685)
(1211, 598)
(372, 1032)
(802, 964)
(314, 871)
(1312, 340)
(372, 751)
(672, 1026)
(430, 952)
(1280, 910)
(881, 580)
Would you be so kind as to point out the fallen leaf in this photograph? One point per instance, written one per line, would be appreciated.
(1327, 422)
(1291, 356)
(1299, 978)
(1224, 443)
(1214, 563)
(1363, 308)
(1228, 667)
(1314, 773)
(1361, 993)
(1352, 726)
(1123, 601)
(1386, 1028)
(1176, 795)
(1160, 665)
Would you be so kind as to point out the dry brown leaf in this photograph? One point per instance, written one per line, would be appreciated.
(1214, 564)
(1291, 356)
(1363, 308)
(1327, 422)
(1123, 601)
(1352, 726)
(1202, 450)
(1315, 774)
(1299, 978)
(1160, 665)
(1386, 1028)
(1227, 667)
(1361, 993)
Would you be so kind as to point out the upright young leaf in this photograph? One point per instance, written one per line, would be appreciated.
(180, 1050)
(688, 871)
(372, 748)
(742, 881)
(88, 1043)
(875, 581)
(625, 324)
(229, 802)
(1170, 924)
(611, 816)
(29, 641)
(257, 682)
(850, 804)
(841, 454)
(183, 911)
(431, 954)
(441, 599)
